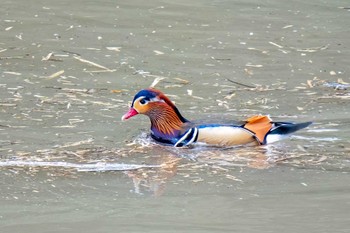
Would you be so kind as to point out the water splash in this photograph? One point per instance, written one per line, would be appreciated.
(82, 167)
(320, 139)
(144, 140)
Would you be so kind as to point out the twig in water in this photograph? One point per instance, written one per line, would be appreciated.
(241, 84)
(92, 63)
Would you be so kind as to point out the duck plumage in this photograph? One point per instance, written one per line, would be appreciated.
(168, 126)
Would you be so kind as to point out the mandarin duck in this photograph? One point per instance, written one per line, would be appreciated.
(169, 127)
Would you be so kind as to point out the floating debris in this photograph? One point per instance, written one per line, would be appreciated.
(48, 56)
(275, 44)
(252, 65)
(13, 73)
(336, 85)
(87, 141)
(117, 49)
(116, 91)
(55, 75)
(156, 81)
(240, 84)
(304, 50)
(311, 50)
(158, 52)
(93, 64)
(340, 84)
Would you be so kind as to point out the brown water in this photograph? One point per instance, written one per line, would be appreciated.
(69, 69)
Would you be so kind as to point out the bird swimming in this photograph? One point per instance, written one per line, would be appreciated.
(169, 127)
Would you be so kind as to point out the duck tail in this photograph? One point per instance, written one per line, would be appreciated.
(281, 130)
(266, 131)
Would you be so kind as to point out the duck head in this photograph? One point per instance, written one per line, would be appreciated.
(166, 120)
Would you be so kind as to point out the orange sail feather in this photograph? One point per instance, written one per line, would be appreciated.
(260, 125)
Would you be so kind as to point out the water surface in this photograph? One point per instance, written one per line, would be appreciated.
(70, 69)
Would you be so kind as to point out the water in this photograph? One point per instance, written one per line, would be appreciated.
(70, 69)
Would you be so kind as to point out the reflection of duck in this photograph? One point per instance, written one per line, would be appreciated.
(154, 180)
(170, 127)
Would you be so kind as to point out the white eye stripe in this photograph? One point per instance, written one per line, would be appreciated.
(141, 98)
(155, 99)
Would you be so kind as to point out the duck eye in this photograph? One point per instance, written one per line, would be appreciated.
(143, 101)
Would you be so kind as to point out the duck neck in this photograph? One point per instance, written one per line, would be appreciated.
(166, 123)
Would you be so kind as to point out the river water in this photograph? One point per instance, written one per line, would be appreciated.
(69, 70)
